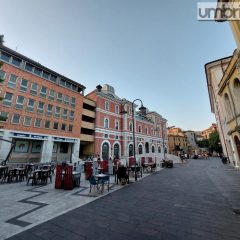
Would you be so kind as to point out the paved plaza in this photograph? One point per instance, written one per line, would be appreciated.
(196, 200)
(23, 207)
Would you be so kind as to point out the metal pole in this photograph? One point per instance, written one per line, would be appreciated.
(134, 144)
(163, 143)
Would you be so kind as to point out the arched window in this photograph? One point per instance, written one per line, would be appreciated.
(237, 142)
(106, 123)
(116, 150)
(139, 128)
(130, 150)
(105, 151)
(153, 149)
(130, 127)
(236, 91)
(146, 130)
(159, 149)
(107, 106)
(116, 124)
(146, 147)
(140, 149)
(228, 107)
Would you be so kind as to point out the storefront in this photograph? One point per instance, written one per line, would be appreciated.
(35, 148)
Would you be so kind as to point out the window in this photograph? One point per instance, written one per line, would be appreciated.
(105, 151)
(40, 107)
(116, 150)
(63, 127)
(57, 112)
(105, 135)
(43, 92)
(106, 123)
(53, 78)
(34, 89)
(130, 111)
(130, 127)
(27, 121)
(116, 137)
(73, 102)
(36, 146)
(7, 101)
(130, 150)
(59, 97)
(70, 128)
(153, 149)
(45, 75)
(116, 124)
(17, 62)
(5, 57)
(106, 105)
(159, 149)
(30, 106)
(66, 99)
(55, 125)
(38, 71)
(28, 67)
(62, 82)
(2, 74)
(147, 147)
(146, 130)
(24, 85)
(19, 102)
(16, 119)
(49, 109)
(12, 81)
(140, 149)
(37, 122)
(64, 113)
(63, 147)
(3, 116)
(116, 109)
(139, 128)
(51, 94)
(71, 117)
(47, 124)
(68, 85)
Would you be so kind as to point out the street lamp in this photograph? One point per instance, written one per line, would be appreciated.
(142, 109)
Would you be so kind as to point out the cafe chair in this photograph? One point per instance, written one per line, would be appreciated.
(93, 182)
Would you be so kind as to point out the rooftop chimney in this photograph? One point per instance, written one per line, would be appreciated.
(99, 88)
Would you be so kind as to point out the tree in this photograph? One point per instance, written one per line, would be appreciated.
(214, 142)
(203, 143)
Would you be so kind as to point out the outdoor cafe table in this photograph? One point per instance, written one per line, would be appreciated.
(100, 178)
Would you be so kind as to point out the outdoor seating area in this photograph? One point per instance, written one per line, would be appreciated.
(31, 173)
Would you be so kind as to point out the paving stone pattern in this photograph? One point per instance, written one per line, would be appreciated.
(191, 201)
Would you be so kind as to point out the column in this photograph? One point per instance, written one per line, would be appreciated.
(5, 147)
(47, 149)
(75, 151)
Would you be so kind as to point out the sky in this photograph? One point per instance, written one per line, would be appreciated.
(149, 49)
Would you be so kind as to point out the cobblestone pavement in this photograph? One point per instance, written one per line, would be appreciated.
(196, 200)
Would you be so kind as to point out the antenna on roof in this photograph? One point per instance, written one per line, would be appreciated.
(1, 40)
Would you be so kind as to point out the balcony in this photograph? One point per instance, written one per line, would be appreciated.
(88, 113)
(89, 102)
(86, 137)
(87, 125)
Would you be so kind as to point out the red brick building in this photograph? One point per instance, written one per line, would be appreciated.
(43, 110)
(114, 130)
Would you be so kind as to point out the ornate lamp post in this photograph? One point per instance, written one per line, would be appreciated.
(142, 109)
